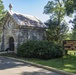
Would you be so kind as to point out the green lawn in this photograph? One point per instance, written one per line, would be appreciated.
(69, 62)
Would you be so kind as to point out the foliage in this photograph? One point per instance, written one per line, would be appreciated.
(56, 33)
(39, 49)
(56, 8)
(70, 6)
(73, 35)
(56, 24)
(68, 36)
(2, 12)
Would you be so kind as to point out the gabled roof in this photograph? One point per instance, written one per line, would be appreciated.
(26, 20)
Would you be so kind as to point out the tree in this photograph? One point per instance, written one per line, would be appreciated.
(57, 25)
(70, 6)
(73, 35)
(52, 32)
(56, 9)
(2, 12)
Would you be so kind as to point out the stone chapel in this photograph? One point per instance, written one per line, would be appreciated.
(18, 28)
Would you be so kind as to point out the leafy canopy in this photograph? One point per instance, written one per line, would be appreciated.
(57, 26)
(1, 9)
(56, 33)
(55, 8)
(73, 35)
(70, 6)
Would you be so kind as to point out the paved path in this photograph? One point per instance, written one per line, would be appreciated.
(13, 67)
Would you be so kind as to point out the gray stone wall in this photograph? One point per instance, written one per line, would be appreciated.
(10, 30)
(20, 35)
(30, 34)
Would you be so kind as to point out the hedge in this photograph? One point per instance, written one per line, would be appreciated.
(40, 50)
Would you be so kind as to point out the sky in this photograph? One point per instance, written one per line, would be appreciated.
(30, 7)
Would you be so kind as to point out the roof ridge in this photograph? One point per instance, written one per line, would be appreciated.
(27, 20)
(20, 13)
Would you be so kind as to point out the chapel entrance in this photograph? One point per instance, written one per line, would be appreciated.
(11, 44)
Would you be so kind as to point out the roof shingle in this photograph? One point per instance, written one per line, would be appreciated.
(27, 20)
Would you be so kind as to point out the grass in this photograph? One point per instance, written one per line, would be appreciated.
(68, 63)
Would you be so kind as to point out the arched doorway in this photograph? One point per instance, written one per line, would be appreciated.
(11, 44)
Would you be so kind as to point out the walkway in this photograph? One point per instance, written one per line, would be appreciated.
(13, 67)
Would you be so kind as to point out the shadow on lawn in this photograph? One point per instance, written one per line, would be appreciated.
(70, 63)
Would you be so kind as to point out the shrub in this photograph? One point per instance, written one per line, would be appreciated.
(39, 49)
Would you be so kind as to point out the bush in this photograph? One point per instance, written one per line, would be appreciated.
(39, 49)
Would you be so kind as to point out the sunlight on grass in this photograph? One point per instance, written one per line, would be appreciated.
(69, 65)
(67, 69)
(72, 52)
